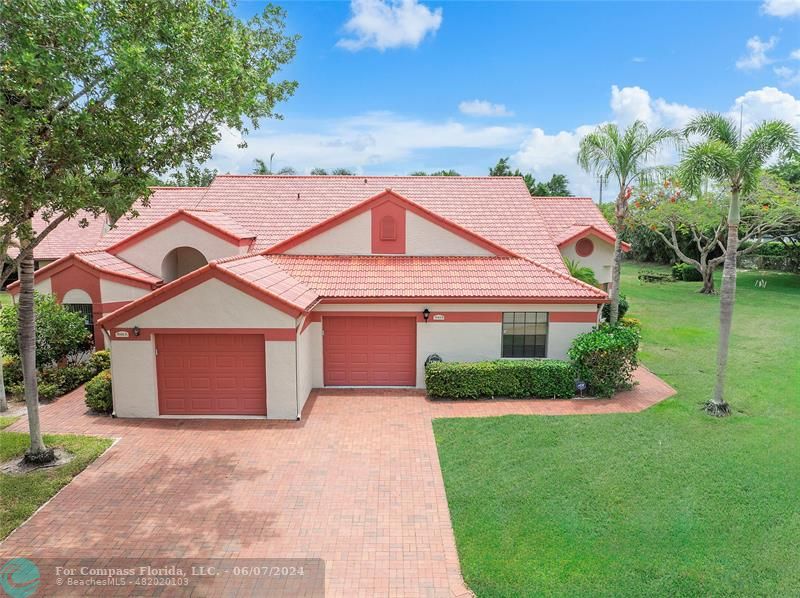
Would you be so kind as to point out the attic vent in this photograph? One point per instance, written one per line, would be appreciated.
(365, 181)
(388, 229)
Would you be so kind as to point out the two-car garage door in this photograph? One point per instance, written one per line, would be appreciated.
(369, 350)
(211, 374)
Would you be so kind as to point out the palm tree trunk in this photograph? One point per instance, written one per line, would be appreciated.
(617, 264)
(718, 406)
(38, 452)
(3, 400)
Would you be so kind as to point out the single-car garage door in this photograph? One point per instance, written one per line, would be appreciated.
(211, 374)
(369, 350)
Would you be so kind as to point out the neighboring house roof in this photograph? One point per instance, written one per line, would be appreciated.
(215, 223)
(99, 262)
(431, 277)
(568, 218)
(275, 208)
(68, 237)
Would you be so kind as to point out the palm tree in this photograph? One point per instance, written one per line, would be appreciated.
(725, 156)
(623, 155)
(583, 273)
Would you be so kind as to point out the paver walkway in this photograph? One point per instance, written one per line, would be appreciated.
(356, 482)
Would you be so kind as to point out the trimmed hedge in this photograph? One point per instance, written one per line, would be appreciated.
(501, 378)
(98, 393)
(99, 361)
(686, 272)
(606, 358)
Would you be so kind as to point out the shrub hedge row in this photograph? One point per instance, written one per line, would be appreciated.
(606, 358)
(57, 380)
(549, 378)
(98, 393)
(687, 272)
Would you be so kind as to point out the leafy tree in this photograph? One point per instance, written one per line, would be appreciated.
(418, 173)
(60, 333)
(730, 159)
(608, 152)
(261, 166)
(557, 186)
(342, 172)
(192, 176)
(450, 172)
(584, 273)
(319, 171)
(771, 209)
(788, 170)
(98, 96)
(288, 170)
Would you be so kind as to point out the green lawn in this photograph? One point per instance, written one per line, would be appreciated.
(21, 495)
(5, 298)
(7, 420)
(668, 502)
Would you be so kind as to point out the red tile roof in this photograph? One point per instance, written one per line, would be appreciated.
(562, 214)
(277, 207)
(263, 273)
(102, 260)
(68, 237)
(223, 222)
(410, 276)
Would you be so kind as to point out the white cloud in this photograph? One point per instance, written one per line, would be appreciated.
(757, 53)
(795, 54)
(544, 153)
(368, 139)
(781, 8)
(639, 59)
(384, 24)
(788, 76)
(483, 108)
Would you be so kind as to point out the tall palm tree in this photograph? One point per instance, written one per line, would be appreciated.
(625, 156)
(725, 156)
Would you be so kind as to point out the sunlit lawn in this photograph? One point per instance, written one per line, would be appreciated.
(668, 502)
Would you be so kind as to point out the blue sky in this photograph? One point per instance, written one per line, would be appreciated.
(390, 87)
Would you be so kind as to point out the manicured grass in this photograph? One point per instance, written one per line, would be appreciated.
(5, 298)
(668, 502)
(22, 494)
(7, 420)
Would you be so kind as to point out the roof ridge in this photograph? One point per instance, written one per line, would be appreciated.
(358, 176)
(565, 276)
(562, 197)
(176, 188)
(390, 256)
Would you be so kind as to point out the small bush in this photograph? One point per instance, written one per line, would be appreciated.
(98, 393)
(623, 308)
(686, 272)
(48, 392)
(99, 361)
(67, 377)
(16, 390)
(12, 370)
(605, 358)
(629, 322)
(501, 378)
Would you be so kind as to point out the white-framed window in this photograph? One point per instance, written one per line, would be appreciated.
(525, 334)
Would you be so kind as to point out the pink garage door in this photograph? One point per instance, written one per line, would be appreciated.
(369, 350)
(211, 374)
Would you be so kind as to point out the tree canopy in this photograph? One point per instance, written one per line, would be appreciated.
(557, 186)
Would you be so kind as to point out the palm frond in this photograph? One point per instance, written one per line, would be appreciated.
(714, 126)
(765, 140)
(583, 273)
(712, 158)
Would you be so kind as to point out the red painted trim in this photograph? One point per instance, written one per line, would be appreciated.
(593, 230)
(531, 300)
(191, 280)
(270, 334)
(107, 308)
(397, 214)
(306, 323)
(74, 260)
(388, 195)
(466, 316)
(179, 216)
(588, 317)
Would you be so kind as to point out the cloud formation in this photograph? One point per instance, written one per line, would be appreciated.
(781, 8)
(385, 24)
(756, 57)
(483, 108)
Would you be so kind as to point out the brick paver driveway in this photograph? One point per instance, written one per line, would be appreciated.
(357, 483)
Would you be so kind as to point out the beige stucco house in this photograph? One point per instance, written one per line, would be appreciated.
(240, 298)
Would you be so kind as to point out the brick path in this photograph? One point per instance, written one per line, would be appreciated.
(356, 482)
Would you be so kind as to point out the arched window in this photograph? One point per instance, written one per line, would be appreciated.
(388, 229)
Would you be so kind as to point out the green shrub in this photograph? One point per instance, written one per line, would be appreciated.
(623, 308)
(48, 391)
(12, 370)
(502, 378)
(605, 358)
(687, 272)
(98, 393)
(629, 322)
(59, 333)
(99, 361)
(16, 390)
(67, 377)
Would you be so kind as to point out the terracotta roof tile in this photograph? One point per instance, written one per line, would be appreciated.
(408, 276)
(107, 262)
(68, 237)
(562, 213)
(223, 222)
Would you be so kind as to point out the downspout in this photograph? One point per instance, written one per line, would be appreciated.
(298, 326)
